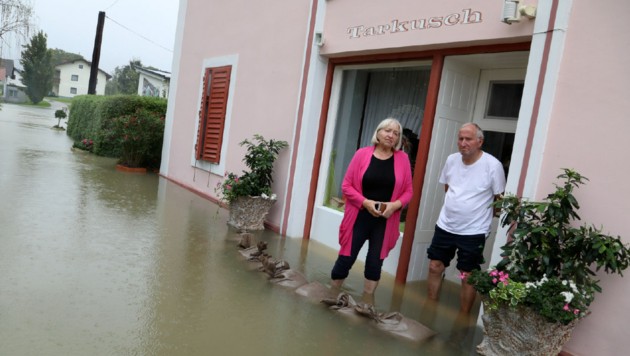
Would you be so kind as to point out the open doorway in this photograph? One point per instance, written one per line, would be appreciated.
(485, 89)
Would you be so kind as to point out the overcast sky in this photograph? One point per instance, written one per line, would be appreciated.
(134, 29)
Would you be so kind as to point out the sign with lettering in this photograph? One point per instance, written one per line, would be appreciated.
(465, 17)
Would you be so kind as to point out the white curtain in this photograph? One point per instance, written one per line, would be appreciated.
(397, 93)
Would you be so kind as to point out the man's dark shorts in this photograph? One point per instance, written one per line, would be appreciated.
(469, 249)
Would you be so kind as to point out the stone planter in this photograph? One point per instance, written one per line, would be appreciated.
(248, 213)
(520, 331)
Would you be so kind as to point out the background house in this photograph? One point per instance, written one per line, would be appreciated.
(11, 87)
(324, 76)
(6, 71)
(15, 91)
(73, 77)
(152, 82)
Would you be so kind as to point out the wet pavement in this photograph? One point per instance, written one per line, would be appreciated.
(94, 261)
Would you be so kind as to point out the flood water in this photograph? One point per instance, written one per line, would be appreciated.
(94, 261)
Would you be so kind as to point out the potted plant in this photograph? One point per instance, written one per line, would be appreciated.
(546, 280)
(249, 195)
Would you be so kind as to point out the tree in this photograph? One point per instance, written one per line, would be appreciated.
(60, 114)
(37, 74)
(59, 56)
(124, 80)
(15, 18)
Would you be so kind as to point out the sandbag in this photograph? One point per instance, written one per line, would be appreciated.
(343, 303)
(289, 279)
(395, 323)
(254, 253)
(313, 291)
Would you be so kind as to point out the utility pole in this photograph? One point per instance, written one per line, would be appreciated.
(96, 54)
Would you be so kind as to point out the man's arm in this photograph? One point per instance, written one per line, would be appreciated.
(497, 211)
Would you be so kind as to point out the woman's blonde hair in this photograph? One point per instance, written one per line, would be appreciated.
(387, 122)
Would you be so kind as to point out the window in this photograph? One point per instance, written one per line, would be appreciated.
(73, 90)
(74, 78)
(80, 66)
(504, 100)
(216, 85)
(12, 93)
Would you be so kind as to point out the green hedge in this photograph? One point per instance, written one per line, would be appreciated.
(82, 117)
(93, 117)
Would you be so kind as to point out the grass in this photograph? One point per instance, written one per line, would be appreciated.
(41, 104)
(46, 102)
(61, 100)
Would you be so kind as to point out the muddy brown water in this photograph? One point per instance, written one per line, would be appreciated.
(94, 261)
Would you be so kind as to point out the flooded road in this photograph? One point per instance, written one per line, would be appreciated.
(94, 261)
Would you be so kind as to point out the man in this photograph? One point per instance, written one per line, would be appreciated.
(473, 180)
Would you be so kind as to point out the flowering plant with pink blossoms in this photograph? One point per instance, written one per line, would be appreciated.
(554, 299)
(231, 188)
(550, 265)
(256, 181)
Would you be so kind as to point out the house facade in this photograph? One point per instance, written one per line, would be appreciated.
(15, 90)
(6, 72)
(11, 87)
(152, 82)
(546, 82)
(73, 78)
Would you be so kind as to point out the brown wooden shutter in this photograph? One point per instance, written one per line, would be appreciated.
(216, 84)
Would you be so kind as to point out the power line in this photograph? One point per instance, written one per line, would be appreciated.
(114, 3)
(137, 34)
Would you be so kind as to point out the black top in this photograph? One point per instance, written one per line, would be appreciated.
(379, 179)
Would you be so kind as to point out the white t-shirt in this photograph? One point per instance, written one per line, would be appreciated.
(471, 190)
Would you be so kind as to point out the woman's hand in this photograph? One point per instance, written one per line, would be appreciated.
(391, 208)
(370, 206)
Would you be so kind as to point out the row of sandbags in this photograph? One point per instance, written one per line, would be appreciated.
(280, 273)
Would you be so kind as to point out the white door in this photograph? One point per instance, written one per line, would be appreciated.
(493, 125)
(455, 106)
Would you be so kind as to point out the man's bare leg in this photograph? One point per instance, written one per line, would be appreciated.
(467, 294)
(436, 271)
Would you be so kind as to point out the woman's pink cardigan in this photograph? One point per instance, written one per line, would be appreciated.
(352, 191)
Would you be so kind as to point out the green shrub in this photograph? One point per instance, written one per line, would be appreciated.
(139, 138)
(96, 117)
(83, 117)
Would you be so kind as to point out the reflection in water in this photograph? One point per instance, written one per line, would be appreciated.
(100, 262)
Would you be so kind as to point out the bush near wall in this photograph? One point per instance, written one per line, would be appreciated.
(82, 117)
(97, 118)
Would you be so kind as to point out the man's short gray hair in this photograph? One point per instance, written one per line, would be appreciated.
(479, 130)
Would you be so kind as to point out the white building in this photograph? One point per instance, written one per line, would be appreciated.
(72, 78)
(153, 82)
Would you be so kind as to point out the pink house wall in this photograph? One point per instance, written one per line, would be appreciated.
(270, 55)
(589, 126)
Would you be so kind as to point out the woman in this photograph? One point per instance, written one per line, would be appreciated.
(376, 186)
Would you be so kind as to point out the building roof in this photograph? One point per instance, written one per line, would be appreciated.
(153, 72)
(107, 75)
